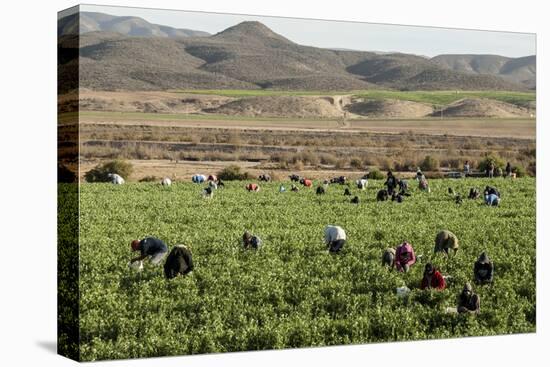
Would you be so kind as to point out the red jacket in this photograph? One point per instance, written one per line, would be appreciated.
(438, 282)
(308, 183)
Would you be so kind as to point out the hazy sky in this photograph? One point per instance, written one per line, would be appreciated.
(426, 41)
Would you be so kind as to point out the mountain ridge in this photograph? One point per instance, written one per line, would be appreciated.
(249, 55)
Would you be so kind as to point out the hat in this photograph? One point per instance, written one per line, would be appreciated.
(467, 288)
(135, 245)
(428, 268)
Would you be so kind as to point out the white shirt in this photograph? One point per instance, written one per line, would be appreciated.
(334, 233)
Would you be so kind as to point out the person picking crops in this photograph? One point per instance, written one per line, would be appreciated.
(335, 238)
(445, 241)
(250, 241)
(490, 190)
(492, 200)
(404, 257)
(483, 269)
(388, 258)
(468, 301)
(149, 247)
(391, 182)
(432, 278)
(252, 187)
(178, 262)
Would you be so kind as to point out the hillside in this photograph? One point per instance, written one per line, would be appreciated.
(127, 26)
(249, 55)
(518, 70)
(483, 108)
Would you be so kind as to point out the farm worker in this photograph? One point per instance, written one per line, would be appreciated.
(468, 301)
(306, 182)
(483, 269)
(250, 241)
(335, 238)
(458, 199)
(388, 257)
(294, 188)
(419, 174)
(403, 187)
(212, 178)
(432, 278)
(491, 190)
(474, 193)
(466, 168)
(282, 188)
(115, 179)
(347, 192)
(208, 192)
(320, 190)
(264, 177)
(404, 257)
(362, 184)
(445, 241)
(391, 182)
(382, 195)
(490, 170)
(397, 197)
(492, 200)
(294, 177)
(213, 185)
(423, 184)
(508, 169)
(149, 246)
(198, 178)
(252, 187)
(178, 262)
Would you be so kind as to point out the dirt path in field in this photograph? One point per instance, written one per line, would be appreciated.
(516, 128)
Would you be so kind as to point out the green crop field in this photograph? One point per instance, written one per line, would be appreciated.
(292, 292)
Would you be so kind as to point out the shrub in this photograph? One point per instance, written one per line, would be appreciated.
(232, 173)
(429, 163)
(327, 158)
(99, 173)
(356, 162)
(386, 164)
(375, 174)
(496, 160)
(519, 171)
(341, 163)
(532, 168)
(298, 165)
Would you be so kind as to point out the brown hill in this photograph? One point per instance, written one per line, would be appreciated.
(390, 108)
(129, 26)
(278, 106)
(482, 108)
(251, 56)
(518, 70)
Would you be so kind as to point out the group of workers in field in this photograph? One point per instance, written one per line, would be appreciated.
(403, 258)
(179, 261)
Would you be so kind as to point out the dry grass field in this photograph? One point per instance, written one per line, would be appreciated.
(180, 133)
